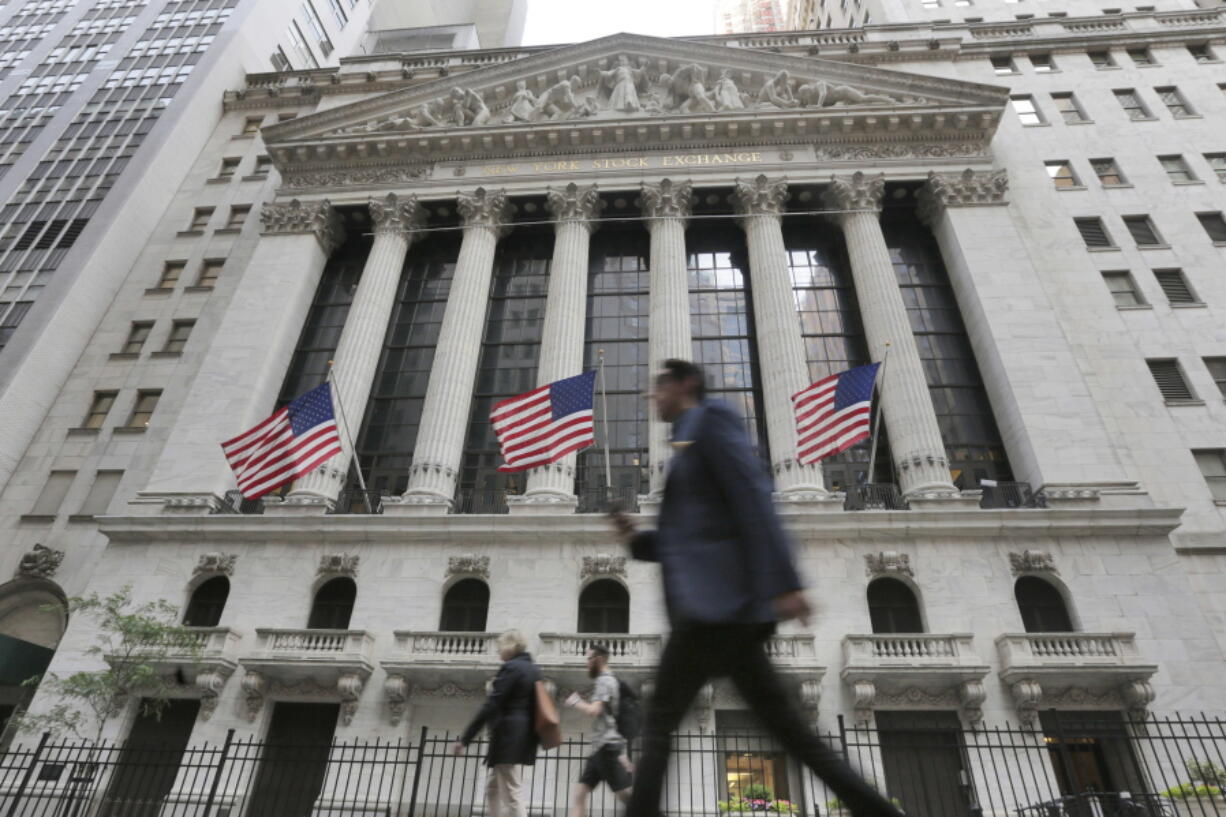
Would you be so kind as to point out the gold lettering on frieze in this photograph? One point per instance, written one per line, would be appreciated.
(625, 163)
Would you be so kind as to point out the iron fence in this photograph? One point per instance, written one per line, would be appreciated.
(1011, 495)
(874, 496)
(1066, 765)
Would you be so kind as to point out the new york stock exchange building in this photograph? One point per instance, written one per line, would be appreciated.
(1020, 609)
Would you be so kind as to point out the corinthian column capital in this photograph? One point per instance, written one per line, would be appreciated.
(297, 218)
(397, 214)
(966, 189)
(760, 196)
(855, 192)
(484, 208)
(668, 199)
(574, 203)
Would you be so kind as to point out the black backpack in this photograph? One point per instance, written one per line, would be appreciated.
(629, 711)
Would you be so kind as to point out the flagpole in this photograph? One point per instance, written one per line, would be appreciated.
(872, 457)
(604, 410)
(357, 464)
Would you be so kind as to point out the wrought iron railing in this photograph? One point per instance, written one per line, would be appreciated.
(1011, 495)
(874, 496)
(477, 502)
(600, 500)
(355, 500)
(233, 502)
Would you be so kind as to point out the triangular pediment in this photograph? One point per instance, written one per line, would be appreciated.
(629, 88)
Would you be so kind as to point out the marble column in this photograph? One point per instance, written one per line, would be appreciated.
(575, 208)
(783, 367)
(667, 206)
(919, 452)
(238, 380)
(361, 343)
(453, 375)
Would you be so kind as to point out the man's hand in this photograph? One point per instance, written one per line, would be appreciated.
(793, 605)
(573, 699)
(457, 748)
(623, 525)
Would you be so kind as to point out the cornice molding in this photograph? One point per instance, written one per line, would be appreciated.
(295, 217)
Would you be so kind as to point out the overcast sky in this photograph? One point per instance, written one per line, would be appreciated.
(570, 21)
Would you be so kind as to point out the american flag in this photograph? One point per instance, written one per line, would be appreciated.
(290, 443)
(833, 414)
(545, 424)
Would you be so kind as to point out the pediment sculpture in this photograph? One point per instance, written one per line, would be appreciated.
(629, 89)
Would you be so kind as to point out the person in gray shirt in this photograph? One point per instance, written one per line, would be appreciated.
(608, 761)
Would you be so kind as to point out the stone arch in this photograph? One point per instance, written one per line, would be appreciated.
(604, 607)
(1043, 603)
(894, 606)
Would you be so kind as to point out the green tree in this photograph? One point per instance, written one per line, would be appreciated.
(138, 643)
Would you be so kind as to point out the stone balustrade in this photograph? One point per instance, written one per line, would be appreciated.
(792, 649)
(434, 645)
(1050, 649)
(907, 649)
(638, 650)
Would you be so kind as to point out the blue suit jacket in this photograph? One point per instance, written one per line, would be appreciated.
(721, 548)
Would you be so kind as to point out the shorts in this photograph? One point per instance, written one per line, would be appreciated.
(604, 765)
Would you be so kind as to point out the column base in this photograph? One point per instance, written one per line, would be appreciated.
(544, 503)
(940, 499)
(808, 500)
(298, 505)
(183, 504)
(417, 505)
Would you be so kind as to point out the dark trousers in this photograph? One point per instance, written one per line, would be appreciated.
(696, 654)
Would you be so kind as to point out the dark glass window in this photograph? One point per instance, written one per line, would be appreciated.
(892, 607)
(509, 354)
(604, 607)
(207, 602)
(618, 280)
(1042, 607)
(333, 605)
(465, 607)
(968, 427)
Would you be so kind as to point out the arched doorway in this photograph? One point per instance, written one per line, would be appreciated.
(33, 617)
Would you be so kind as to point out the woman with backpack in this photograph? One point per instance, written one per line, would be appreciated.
(615, 711)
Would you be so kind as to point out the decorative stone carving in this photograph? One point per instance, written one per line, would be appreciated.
(39, 563)
(522, 104)
(1027, 693)
(899, 150)
(967, 189)
(349, 686)
(811, 699)
(469, 565)
(865, 693)
(777, 91)
(704, 708)
(1032, 561)
(215, 563)
(621, 86)
(338, 564)
(760, 196)
(821, 94)
(921, 697)
(467, 107)
(603, 565)
(574, 203)
(686, 90)
(668, 199)
(559, 102)
(1138, 694)
(484, 208)
(971, 695)
(888, 563)
(294, 217)
(396, 688)
(396, 214)
(193, 504)
(727, 96)
(450, 689)
(210, 684)
(1074, 696)
(858, 191)
(254, 687)
(357, 176)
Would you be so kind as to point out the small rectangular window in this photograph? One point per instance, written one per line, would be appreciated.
(1201, 52)
(137, 336)
(229, 166)
(1174, 101)
(1141, 56)
(279, 61)
(1101, 59)
(238, 214)
(1217, 163)
(1069, 108)
(171, 272)
(1175, 287)
(263, 164)
(1093, 232)
(1061, 174)
(1108, 172)
(1003, 66)
(1142, 230)
(200, 218)
(209, 272)
(1170, 379)
(1217, 370)
(1123, 288)
(99, 408)
(1212, 463)
(177, 339)
(1214, 225)
(53, 493)
(251, 125)
(1042, 63)
(100, 493)
(142, 410)
(1132, 105)
(1026, 110)
(1177, 170)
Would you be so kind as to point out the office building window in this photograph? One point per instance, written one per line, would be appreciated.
(229, 166)
(142, 410)
(1170, 379)
(1201, 52)
(100, 493)
(280, 62)
(1217, 370)
(1141, 56)
(137, 336)
(893, 608)
(1027, 112)
(465, 607)
(338, 13)
(1101, 59)
(251, 125)
(1142, 230)
(1042, 63)
(99, 408)
(1175, 287)
(263, 164)
(1174, 101)
(1093, 232)
(1003, 65)
(298, 42)
(53, 493)
(1061, 173)
(210, 271)
(238, 214)
(1108, 172)
(1217, 163)
(1132, 105)
(317, 27)
(1177, 170)
(1069, 108)
(1212, 464)
(1123, 288)
(177, 339)
(1042, 607)
(200, 218)
(1215, 226)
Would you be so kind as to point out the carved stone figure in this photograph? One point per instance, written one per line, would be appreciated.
(620, 87)
(821, 94)
(467, 107)
(726, 96)
(778, 92)
(39, 563)
(687, 90)
(558, 102)
(522, 104)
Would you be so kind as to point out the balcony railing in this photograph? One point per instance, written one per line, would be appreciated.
(793, 649)
(641, 650)
(480, 502)
(874, 496)
(910, 649)
(597, 500)
(448, 646)
(1022, 650)
(1011, 495)
(233, 502)
(358, 501)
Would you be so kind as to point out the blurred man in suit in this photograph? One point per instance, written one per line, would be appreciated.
(729, 576)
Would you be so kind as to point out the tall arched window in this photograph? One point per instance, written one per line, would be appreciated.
(333, 605)
(1042, 607)
(604, 607)
(893, 608)
(465, 607)
(207, 602)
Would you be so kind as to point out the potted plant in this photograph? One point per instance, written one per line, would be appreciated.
(1202, 795)
(756, 798)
